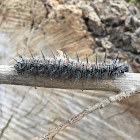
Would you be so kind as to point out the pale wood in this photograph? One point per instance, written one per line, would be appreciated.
(130, 81)
(48, 25)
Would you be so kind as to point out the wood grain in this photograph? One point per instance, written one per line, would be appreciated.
(26, 112)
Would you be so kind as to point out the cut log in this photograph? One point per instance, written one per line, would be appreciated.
(85, 27)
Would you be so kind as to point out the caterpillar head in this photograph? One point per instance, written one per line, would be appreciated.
(125, 68)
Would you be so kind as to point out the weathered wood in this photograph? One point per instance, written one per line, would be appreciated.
(86, 27)
(131, 81)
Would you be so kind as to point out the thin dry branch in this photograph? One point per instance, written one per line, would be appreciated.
(131, 81)
(84, 113)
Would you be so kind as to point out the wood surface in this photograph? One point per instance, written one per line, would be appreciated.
(86, 27)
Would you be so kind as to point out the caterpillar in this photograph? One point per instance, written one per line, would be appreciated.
(66, 68)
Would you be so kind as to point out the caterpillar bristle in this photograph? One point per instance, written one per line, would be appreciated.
(53, 55)
(104, 60)
(96, 59)
(115, 60)
(15, 59)
(20, 56)
(32, 55)
(66, 56)
(87, 58)
(77, 57)
(43, 55)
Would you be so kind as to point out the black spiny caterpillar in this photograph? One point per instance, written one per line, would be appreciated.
(66, 68)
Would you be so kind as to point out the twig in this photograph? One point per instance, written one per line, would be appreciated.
(102, 104)
(131, 81)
